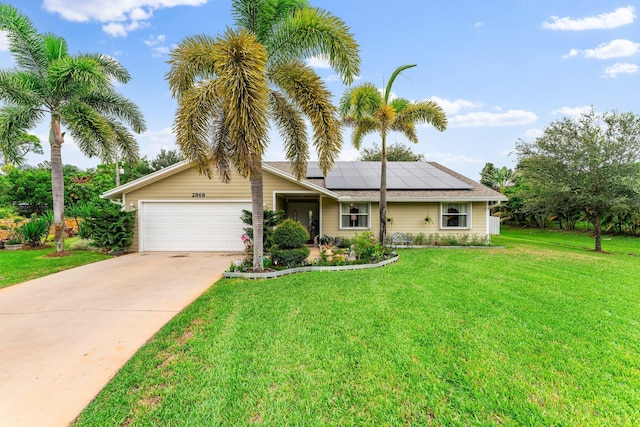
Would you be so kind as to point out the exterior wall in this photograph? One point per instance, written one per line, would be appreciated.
(183, 185)
(407, 218)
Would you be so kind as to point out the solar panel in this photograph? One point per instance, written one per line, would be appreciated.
(400, 176)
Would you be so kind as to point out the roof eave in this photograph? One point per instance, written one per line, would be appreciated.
(115, 193)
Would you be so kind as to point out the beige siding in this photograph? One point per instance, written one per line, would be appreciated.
(410, 218)
(407, 218)
(183, 185)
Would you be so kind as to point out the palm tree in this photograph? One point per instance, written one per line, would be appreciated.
(75, 92)
(289, 31)
(367, 110)
(222, 93)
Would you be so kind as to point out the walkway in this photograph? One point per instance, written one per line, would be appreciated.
(64, 336)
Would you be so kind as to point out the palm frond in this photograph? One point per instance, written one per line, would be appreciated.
(302, 85)
(190, 62)
(124, 142)
(360, 101)
(196, 106)
(55, 47)
(240, 63)
(408, 128)
(293, 131)
(316, 32)
(18, 88)
(399, 104)
(111, 67)
(222, 150)
(15, 120)
(115, 104)
(260, 17)
(90, 130)
(25, 43)
(428, 112)
(69, 77)
(362, 128)
(396, 73)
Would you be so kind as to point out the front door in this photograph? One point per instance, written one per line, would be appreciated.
(306, 212)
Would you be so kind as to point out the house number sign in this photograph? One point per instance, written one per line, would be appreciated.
(199, 195)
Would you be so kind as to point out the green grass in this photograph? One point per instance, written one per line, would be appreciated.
(543, 332)
(22, 265)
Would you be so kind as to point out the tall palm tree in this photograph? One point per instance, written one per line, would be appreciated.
(367, 110)
(221, 120)
(289, 31)
(75, 92)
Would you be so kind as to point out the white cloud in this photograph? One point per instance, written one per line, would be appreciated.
(318, 62)
(620, 68)
(478, 24)
(114, 29)
(478, 119)
(157, 45)
(572, 112)
(614, 49)
(119, 16)
(452, 107)
(617, 18)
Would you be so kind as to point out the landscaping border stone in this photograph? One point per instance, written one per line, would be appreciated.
(279, 273)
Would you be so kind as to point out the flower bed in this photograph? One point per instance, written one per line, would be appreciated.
(278, 273)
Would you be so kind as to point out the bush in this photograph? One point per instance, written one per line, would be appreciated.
(290, 235)
(365, 246)
(271, 219)
(293, 257)
(110, 228)
(36, 231)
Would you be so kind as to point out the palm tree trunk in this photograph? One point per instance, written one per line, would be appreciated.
(383, 192)
(257, 212)
(57, 181)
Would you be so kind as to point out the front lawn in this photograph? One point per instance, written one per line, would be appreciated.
(540, 333)
(22, 265)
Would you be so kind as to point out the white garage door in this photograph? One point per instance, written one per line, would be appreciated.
(192, 226)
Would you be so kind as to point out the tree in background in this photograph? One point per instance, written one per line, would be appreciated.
(496, 178)
(28, 189)
(75, 92)
(165, 158)
(588, 163)
(14, 149)
(395, 153)
(366, 110)
(213, 128)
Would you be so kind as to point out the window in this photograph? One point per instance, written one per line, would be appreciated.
(354, 215)
(455, 215)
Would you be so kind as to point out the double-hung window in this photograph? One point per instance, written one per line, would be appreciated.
(354, 215)
(455, 215)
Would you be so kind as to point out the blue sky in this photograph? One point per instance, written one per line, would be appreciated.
(502, 70)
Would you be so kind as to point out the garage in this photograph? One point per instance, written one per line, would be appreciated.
(191, 226)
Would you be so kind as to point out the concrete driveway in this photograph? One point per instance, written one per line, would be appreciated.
(64, 336)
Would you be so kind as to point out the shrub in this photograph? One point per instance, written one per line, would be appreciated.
(365, 245)
(290, 235)
(292, 257)
(343, 242)
(110, 228)
(271, 219)
(36, 231)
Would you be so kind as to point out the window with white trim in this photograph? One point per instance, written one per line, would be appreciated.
(455, 215)
(354, 215)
